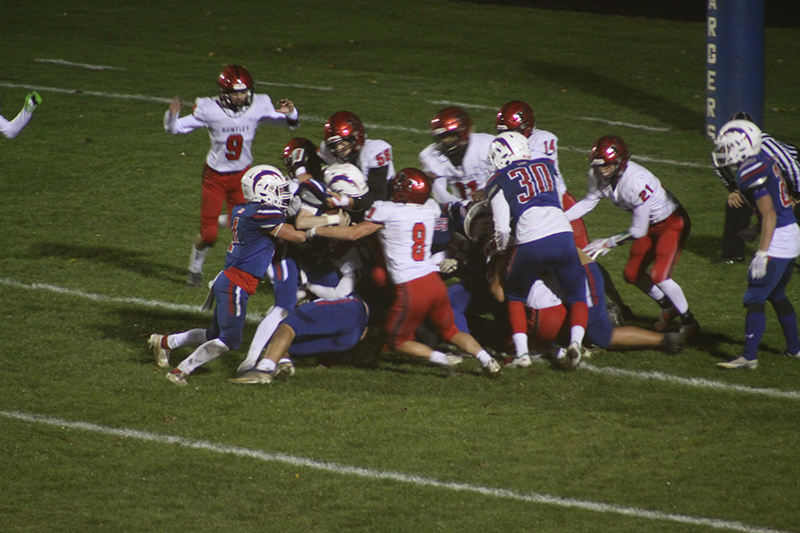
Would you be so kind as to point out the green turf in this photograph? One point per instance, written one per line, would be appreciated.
(99, 200)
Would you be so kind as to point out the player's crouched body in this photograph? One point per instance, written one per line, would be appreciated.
(316, 327)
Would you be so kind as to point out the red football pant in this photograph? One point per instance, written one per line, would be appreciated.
(218, 188)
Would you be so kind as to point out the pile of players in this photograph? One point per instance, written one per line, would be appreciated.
(358, 254)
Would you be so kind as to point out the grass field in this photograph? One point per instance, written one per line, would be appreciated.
(100, 205)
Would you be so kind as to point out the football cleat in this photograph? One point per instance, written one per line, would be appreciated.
(740, 362)
(522, 361)
(789, 354)
(615, 315)
(253, 377)
(195, 279)
(178, 377)
(574, 356)
(454, 359)
(667, 315)
(492, 369)
(673, 342)
(161, 353)
(691, 329)
(285, 367)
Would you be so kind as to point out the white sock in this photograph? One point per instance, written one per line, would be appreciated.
(263, 334)
(197, 259)
(202, 355)
(656, 293)
(576, 334)
(266, 365)
(484, 357)
(520, 343)
(675, 295)
(438, 358)
(192, 338)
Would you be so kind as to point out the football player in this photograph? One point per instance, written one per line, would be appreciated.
(346, 142)
(658, 230)
(11, 128)
(518, 116)
(256, 227)
(406, 226)
(738, 151)
(458, 159)
(231, 119)
(313, 328)
(525, 202)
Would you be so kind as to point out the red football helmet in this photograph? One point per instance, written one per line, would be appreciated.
(450, 128)
(300, 152)
(344, 135)
(609, 157)
(235, 87)
(410, 185)
(515, 116)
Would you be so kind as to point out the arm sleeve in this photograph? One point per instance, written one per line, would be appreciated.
(175, 125)
(584, 206)
(440, 192)
(501, 214)
(11, 129)
(640, 222)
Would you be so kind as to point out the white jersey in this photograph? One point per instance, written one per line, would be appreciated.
(231, 133)
(637, 191)
(374, 154)
(11, 129)
(406, 237)
(464, 180)
(545, 144)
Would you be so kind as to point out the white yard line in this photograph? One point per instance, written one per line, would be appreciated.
(294, 86)
(141, 302)
(80, 65)
(697, 383)
(382, 475)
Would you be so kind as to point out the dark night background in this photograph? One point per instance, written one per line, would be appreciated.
(779, 13)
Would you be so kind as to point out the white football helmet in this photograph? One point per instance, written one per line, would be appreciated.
(508, 147)
(266, 184)
(737, 140)
(478, 222)
(346, 179)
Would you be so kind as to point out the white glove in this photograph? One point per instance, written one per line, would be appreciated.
(448, 266)
(344, 218)
(758, 266)
(600, 247)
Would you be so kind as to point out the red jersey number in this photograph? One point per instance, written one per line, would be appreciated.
(384, 157)
(418, 248)
(234, 146)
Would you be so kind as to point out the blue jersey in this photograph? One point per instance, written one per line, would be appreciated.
(759, 176)
(252, 247)
(526, 184)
